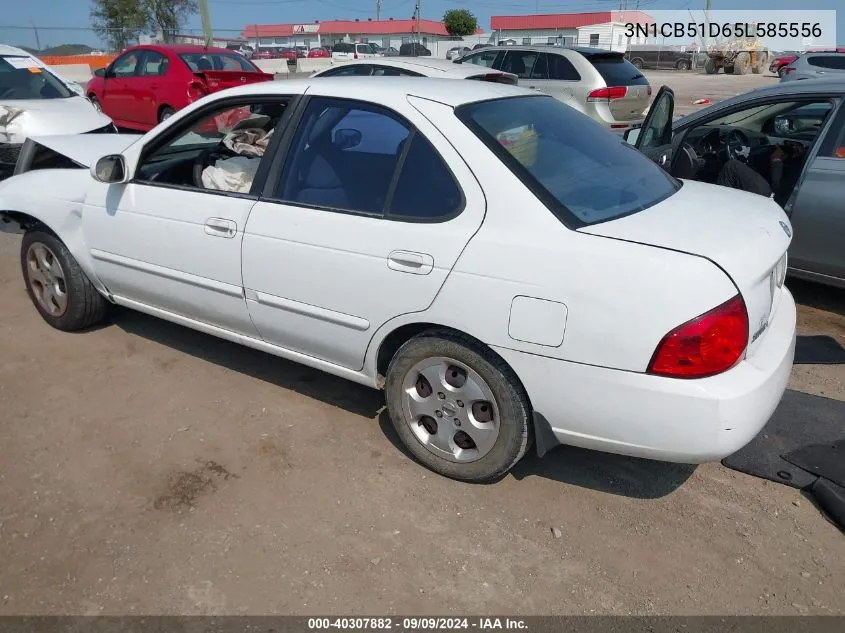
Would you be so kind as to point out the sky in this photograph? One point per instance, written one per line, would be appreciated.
(67, 21)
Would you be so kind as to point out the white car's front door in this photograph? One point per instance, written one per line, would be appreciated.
(365, 222)
(165, 240)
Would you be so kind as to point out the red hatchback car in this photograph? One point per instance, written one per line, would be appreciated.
(318, 53)
(147, 84)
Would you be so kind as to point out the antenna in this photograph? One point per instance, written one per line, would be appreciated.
(378, 10)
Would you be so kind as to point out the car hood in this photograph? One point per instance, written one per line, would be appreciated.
(20, 119)
(85, 149)
(743, 233)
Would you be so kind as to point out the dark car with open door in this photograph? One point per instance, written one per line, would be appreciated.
(786, 142)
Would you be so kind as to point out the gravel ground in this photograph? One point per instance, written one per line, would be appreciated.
(146, 468)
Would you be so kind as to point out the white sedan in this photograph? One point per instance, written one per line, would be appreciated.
(416, 67)
(505, 269)
(35, 101)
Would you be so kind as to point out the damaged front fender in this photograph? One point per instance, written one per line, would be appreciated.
(54, 199)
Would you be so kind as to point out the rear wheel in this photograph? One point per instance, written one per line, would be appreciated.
(58, 288)
(165, 113)
(457, 407)
(756, 69)
(638, 63)
(682, 64)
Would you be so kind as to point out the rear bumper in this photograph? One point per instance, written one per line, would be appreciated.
(687, 421)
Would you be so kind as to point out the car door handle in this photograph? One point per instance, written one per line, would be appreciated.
(220, 227)
(408, 262)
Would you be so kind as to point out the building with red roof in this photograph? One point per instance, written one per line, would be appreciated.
(387, 32)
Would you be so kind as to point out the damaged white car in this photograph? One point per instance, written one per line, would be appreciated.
(35, 102)
(502, 266)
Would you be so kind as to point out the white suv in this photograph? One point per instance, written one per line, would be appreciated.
(352, 51)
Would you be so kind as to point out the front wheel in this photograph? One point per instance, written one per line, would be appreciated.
(457, 407)
(58, 288)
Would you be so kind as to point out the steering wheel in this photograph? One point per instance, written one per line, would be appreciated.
(208, 157)
(738, 145)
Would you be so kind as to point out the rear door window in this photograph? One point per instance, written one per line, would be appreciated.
(617, 71)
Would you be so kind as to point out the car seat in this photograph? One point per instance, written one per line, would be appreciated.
(321, 186)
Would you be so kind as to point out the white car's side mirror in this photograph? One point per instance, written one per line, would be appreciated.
(110, 169)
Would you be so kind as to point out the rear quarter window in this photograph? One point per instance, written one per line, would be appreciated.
(617, 71)
(583, 174)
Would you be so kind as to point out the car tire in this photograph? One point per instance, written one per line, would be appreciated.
(757, 70)
(165, 112)
(682, 65)
(56, 284)
(499, 413)
(638, 63)
(710, 66)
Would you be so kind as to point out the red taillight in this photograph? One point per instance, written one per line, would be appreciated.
(708, 345)
(608, 94)
(648, 91)
(197, 90)
(355, 55)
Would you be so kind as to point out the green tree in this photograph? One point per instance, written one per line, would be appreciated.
(165, 16)
(118, 22)
(460, 22)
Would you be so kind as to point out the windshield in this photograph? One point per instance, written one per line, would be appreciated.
(22, 78)
(199, 62)
(584, 174)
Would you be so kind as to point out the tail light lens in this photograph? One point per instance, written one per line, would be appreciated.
(355, 55)
(608, 94)
(705, 346)
(197, 90)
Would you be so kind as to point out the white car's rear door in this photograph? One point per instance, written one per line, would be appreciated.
(323, 265)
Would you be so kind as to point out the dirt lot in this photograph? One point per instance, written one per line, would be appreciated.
(691, 86)
(146, 468)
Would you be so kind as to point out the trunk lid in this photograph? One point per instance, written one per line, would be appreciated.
(221, 79)
(745, 234)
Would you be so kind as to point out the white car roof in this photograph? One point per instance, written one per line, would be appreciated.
(441, 68)
(386, 89)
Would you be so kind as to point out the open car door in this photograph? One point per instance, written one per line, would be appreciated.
(654, 138)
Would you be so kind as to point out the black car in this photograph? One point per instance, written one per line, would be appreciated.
(414, 49)
(659, 57)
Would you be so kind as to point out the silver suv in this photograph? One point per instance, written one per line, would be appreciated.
(815, 66)
(602, 84)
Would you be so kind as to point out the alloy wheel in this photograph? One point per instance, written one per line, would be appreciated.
(46, 279)
(450, 409)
